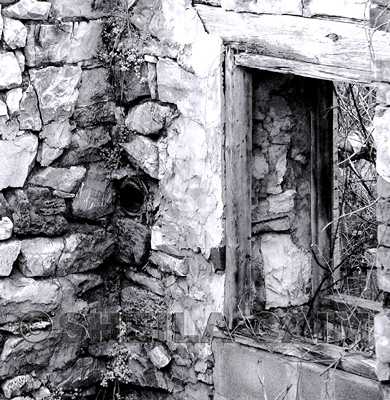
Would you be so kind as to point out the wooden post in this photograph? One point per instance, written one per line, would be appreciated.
(322, 180)
(238, 148)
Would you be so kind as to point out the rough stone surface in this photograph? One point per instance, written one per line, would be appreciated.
(167, 263)
(150, 118)
(28, 9)
(56, 138)
(21, 295)
(21, 59)
(35, 211)
(343, 8)
(89, 9)
(3, 110)
(19, 385)
(94, 105)
(63, 179)
(133, 241)
(383, 268)
(144, 152)
(85, 146)
(282, 203)
(382, 140)
(68, 42)
(96, 196)
(14, 33)
(13, 98)
(29, 117)
(85, 251)
(9, 252)
(40, 256)
(284, 285)
(57, 91)
(84, 372)
(6, 228)
(19, 356)
(190, 210)
(264, 7)
(382, 342)
(10, 76)
(159, 356)
(18, 157)
(9, 129)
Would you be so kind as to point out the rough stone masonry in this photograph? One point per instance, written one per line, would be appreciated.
(112, 203)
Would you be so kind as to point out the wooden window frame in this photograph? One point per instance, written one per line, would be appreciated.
(238, 152)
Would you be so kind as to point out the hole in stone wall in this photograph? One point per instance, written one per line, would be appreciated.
(131, 198)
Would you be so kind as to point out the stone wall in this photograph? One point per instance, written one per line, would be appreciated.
(281, 227)
(112, 203)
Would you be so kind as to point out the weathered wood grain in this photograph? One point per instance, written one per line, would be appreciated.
(301, 68)
(321, 180)
(238, 92)
(343, 46)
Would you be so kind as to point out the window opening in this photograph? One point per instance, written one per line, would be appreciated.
(355, 196)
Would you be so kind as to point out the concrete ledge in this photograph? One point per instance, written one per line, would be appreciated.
(240, 369)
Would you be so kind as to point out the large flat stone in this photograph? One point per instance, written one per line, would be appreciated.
(57, 91)
(133, 241)
(36, 212)
(18, 157)
(21, 295)
(6, 228)
(9, 129)
(95, 102)
(90, 9)
(63, 179)
(96, 196)
(144, 153)
(337, 8)
(14, 33)
(11, 75)
(85, 146)
(293, 7)
(285, 286)
(382, 141)
(85, 251)
(20, 356)
(13, 98)
(28, 9)
(167, 263)
(40, 256)
(67, 42)
(150, 118)
(56, 138)
(29, 116)
(9, 252)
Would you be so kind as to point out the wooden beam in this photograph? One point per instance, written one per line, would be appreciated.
(238, 148)
(321, 181)
(301, 68)
(348, 48)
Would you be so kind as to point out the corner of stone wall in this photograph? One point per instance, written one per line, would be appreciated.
(111, 203)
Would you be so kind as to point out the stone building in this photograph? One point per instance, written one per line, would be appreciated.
(166, 177)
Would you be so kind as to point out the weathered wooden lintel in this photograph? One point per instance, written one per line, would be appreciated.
(301, 68)
(345, 50)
